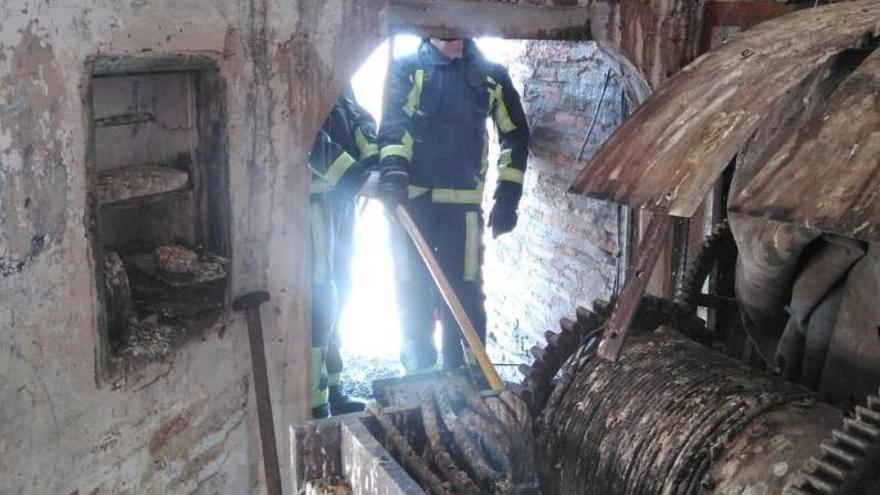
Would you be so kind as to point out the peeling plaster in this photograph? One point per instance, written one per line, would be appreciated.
(283, 64)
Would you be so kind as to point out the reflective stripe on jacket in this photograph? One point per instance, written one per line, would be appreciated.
(346, 144)
(434, 124)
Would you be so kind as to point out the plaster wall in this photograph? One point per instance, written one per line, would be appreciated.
(186, 425)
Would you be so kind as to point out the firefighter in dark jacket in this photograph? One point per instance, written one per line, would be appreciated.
(434, 156)
(343, 154)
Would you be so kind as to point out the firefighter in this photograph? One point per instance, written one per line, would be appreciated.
(341, 157)
(434, 156)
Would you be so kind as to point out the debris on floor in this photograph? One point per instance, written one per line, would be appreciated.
(481, 444)
(330, 485)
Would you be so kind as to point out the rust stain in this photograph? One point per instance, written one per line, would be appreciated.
(194, 467)
(187, 443)
(169, 429)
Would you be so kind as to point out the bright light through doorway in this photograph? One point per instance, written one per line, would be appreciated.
(368, 326)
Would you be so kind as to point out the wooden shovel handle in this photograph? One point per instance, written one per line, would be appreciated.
(467, 328)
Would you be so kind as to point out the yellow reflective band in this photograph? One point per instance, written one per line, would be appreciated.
(415, 94)
(338, 168)
(505, 158)
(502, 115)
(484, 164)
(457, 196)
(334, 379)
(366, 148)
(416, 191)
(403, 150)
(320, 395)
(511, 174)
(320, 267)
(320, 186)
(471, 246)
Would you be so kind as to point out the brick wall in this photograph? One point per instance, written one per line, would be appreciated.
(564, 251)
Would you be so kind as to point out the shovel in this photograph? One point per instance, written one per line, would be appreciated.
(467, 328)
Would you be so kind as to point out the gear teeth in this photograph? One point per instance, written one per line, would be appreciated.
(538, 353)
(845, 456)
(566, 325)
(829, 468)
(834, 451)
(584, 315)
(850, 440)
(865, 414)
(551, 337)
(819, 484)
(712, 247)
(525, 370)
(601, 307)
(861, 428)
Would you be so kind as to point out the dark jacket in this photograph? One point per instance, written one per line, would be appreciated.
(434, 125)
(344, 148)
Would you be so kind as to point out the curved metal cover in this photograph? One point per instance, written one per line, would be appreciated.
(827, 176)
(671, 151)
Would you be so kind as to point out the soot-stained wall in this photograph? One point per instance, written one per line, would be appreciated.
(185, 424)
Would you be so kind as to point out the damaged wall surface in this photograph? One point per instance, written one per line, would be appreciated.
(185, 424)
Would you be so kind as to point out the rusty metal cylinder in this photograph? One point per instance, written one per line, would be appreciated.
(673, 417)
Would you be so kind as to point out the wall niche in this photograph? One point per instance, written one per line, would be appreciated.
(159, 203)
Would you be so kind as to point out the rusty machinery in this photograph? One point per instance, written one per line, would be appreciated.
(672, 415)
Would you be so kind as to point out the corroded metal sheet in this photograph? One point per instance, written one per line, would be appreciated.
(673, 149)
(827, 176)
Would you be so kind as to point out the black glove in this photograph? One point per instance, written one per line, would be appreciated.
(503, 217)
(393, 188)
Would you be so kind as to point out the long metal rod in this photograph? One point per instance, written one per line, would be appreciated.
(467, 328)
(595, 117)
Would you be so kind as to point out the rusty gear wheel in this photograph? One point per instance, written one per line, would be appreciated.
(653, 312)
(850, 458)
(680, 314)
(716, 243)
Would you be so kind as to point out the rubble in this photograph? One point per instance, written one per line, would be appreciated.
(176, 259)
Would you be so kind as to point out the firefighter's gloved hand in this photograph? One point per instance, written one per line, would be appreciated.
(503, 217)
(393, 188)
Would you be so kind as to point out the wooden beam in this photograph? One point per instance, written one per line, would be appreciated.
(456, 18)
(625, 309)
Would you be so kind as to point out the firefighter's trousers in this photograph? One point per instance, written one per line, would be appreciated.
(454, 232)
